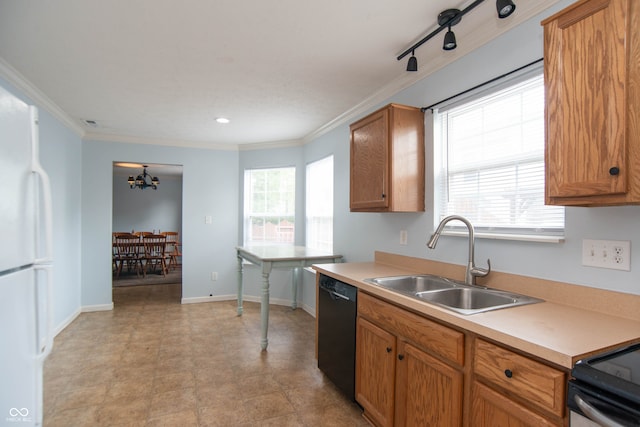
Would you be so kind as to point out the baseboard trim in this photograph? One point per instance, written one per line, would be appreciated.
(98, 307)
(61, 327)
(249, 298)
(198, 300)
(309, 309)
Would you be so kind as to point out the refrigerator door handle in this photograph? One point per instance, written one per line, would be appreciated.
(45, 186)
(44, 298)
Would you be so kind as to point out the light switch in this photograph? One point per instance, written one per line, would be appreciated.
(208, 219)
(613, 254)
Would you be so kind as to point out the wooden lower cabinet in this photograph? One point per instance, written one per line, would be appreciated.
(541, 386)
(428, 391)
(415, 371)
(491, 409)
(398, 383)
(375, 372)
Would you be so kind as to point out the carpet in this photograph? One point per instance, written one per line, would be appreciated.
(152, 278)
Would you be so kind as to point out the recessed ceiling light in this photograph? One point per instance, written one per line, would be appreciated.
(222, 120)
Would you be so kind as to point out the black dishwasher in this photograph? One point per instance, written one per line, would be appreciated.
(337, 309)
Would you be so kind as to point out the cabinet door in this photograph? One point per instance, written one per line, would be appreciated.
(491, 409)
(428, 391)
(370, 162)
(375, 372)
(585, 82)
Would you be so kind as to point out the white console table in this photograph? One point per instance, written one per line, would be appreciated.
(278, 256)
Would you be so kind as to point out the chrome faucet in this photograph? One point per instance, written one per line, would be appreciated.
(472, 270)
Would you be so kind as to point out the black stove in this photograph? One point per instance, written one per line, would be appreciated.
(606, 387)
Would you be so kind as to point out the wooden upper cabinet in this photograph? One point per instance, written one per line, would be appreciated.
(592, 89)
(387, 161)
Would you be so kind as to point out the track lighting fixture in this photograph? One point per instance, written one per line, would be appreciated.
(447, 19)
(449, 40)
(505, 8)
(412, 65)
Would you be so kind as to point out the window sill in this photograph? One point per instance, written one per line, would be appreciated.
(506, 236)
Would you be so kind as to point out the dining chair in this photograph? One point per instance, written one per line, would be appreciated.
(126, 250)
(155, 253)
(115, 234)
(172, 248)
(141, 234)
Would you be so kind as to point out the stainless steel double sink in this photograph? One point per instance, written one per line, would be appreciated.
(451, 294)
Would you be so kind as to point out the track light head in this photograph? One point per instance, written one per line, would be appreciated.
(505, 8)
(412, 65)
(449, 41)
(449, 18)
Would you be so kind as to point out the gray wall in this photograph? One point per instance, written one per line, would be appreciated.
(212, 185)
(280, 280)
(148, 209)
(357, 235)
(207, 190)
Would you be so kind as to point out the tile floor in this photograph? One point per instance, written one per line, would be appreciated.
(155, 362)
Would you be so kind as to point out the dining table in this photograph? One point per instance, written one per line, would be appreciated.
(268, 257)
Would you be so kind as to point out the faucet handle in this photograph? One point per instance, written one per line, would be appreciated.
(481, 272)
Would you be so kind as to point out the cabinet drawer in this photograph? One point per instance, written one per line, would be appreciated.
(426, 334)
(538, 384)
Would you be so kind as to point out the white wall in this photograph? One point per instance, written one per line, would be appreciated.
(357, 235)
(81, 175)
(210, 187)
(280, 280)
(148, 209)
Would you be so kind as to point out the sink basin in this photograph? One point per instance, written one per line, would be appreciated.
(414, 284)
(475, 300)
(456, 296)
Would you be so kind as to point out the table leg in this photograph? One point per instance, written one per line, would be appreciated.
(264, 307)
(240, 282)
(294, 287)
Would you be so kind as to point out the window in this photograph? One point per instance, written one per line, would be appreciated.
(319, 204)
(269, 205)
(490, 165)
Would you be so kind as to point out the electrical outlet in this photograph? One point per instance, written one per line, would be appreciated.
(214, 276)
(403, 237)
(613, 254)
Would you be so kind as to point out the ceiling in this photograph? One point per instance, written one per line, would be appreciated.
(125, 169)
(283, 71)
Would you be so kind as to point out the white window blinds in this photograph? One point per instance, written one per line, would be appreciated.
(319, 204)
(269, 206)
(490, 160)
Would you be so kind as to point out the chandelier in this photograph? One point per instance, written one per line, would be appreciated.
(141, 180)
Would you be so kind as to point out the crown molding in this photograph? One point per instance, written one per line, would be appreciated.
(15, 78)
(526, 10)
(270, 145)
(476, 39)
(179, 143)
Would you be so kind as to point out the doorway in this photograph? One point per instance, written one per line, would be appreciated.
(152, 206)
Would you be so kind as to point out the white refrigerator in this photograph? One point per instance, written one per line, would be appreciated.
(25, 265)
